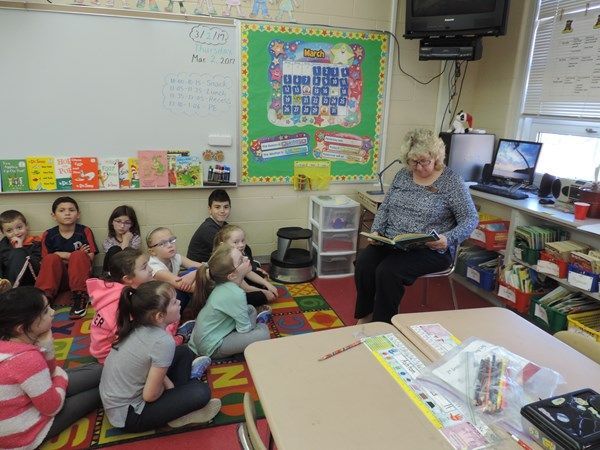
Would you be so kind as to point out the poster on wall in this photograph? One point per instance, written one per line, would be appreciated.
(311, 94)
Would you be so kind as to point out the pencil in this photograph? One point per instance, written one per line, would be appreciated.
(520, 442)
(340, 350)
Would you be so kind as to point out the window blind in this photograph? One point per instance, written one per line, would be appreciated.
(565, 84)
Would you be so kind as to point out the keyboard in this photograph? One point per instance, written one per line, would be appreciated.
(499, 190)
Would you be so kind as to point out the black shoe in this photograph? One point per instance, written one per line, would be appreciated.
(80, 304)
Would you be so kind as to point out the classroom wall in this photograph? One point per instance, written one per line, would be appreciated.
(261, 210)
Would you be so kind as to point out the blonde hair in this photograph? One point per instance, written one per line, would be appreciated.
(225, 233)
(153, 232)
(422, 142)
(216, 271)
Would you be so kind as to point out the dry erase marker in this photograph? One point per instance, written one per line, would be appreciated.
(340, 350)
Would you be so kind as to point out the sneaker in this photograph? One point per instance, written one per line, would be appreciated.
(80, 304)
(264, 316)
(186, 329)
(203, 415)
(199, 366)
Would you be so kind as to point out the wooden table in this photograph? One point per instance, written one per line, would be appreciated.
(503, 327)
(346, 402)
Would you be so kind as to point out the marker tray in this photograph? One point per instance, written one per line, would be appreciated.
(569, 421)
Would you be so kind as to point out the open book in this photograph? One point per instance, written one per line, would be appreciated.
(405, 241)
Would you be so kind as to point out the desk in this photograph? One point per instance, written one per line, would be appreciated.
(503, 327)
(345, 402)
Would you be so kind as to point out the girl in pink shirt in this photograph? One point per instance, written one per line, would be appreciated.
(38, 399)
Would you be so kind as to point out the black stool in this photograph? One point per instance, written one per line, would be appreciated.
(292, 265)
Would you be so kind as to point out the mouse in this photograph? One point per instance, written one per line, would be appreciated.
(546, 201)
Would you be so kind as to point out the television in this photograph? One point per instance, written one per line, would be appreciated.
(454, 18)
(515, 161)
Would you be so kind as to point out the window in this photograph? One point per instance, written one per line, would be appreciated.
(561, 108)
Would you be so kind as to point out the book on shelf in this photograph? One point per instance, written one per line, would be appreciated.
(40, 173)
(62, 170)
(14, 175)
(133, 172)
(124, 182)
(84, 173)
(405, 241)
(153, 168)
(108, 173)
(172, 162)
(188, 171)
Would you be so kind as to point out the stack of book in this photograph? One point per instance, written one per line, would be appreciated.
(563, 249)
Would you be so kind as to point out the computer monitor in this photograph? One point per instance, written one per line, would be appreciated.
(515, 161)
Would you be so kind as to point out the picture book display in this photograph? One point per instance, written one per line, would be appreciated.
(153, 168)
(84, 173)
(305, 96)
(404, 241)
(108, 173)
(188, 171)
(13, 173)
(62, 169)
(40, 173)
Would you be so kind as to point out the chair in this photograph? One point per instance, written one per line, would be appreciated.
(247, 432)
(582, 344)
(444, 273)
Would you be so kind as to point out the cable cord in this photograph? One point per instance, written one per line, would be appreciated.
(397, 45)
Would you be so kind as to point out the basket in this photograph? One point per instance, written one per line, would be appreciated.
(526, 254)
(485, 236)
(516, 299)
(552, 265)
(588, 281)
(586, 324)
(555, 320)
(483, 277)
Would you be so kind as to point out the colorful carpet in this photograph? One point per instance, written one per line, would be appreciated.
(299, 309)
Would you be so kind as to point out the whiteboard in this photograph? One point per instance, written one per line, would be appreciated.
(91, 85)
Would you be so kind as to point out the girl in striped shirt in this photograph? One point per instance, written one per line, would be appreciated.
(38, 399)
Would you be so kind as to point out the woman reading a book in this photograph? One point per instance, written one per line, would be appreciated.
(425, 197)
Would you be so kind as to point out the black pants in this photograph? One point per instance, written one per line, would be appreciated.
(81, 398)
(15, 261)
(382, 272)
(187, 396)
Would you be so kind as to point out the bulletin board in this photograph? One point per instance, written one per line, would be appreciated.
(311, 94)
(84, 85)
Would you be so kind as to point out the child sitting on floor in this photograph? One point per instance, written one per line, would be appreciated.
(226, 324)
(68, 250)
(15, 247)
(166, 263)
(146, 382)
(123, 232)
(39, 399)
(256, 284)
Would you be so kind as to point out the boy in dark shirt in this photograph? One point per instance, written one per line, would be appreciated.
(201, 244)
(16, 247)
(67, 254)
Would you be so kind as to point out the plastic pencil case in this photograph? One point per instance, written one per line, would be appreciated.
(552, 265)
(569, 421)
(487, 236)
(586, 324)
(482, 277)
(588, 281)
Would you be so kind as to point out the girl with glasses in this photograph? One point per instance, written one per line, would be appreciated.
(123, 232)
(425, 195)
(226, 324)
(167, 264)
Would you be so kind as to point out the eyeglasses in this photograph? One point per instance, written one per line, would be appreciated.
(125, 223)
(244, 259)
(164, 243)
(421, 162)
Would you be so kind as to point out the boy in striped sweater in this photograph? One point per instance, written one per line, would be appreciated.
(38, 399)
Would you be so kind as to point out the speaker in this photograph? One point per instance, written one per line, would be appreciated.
(546, 185)
(486, 174)
(566, 189)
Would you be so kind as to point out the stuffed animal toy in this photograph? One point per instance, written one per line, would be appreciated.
(463, 123)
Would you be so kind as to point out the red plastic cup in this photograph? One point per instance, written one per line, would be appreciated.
(581, 210)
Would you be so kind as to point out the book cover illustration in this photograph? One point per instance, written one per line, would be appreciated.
(171, 163)
(62, 170)
(406, 241)
(124, 182)
(188, 171)
(133, 172)
(40, 173)
(153, 168)
(14, 175)
(84, 172)
(108, 173)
